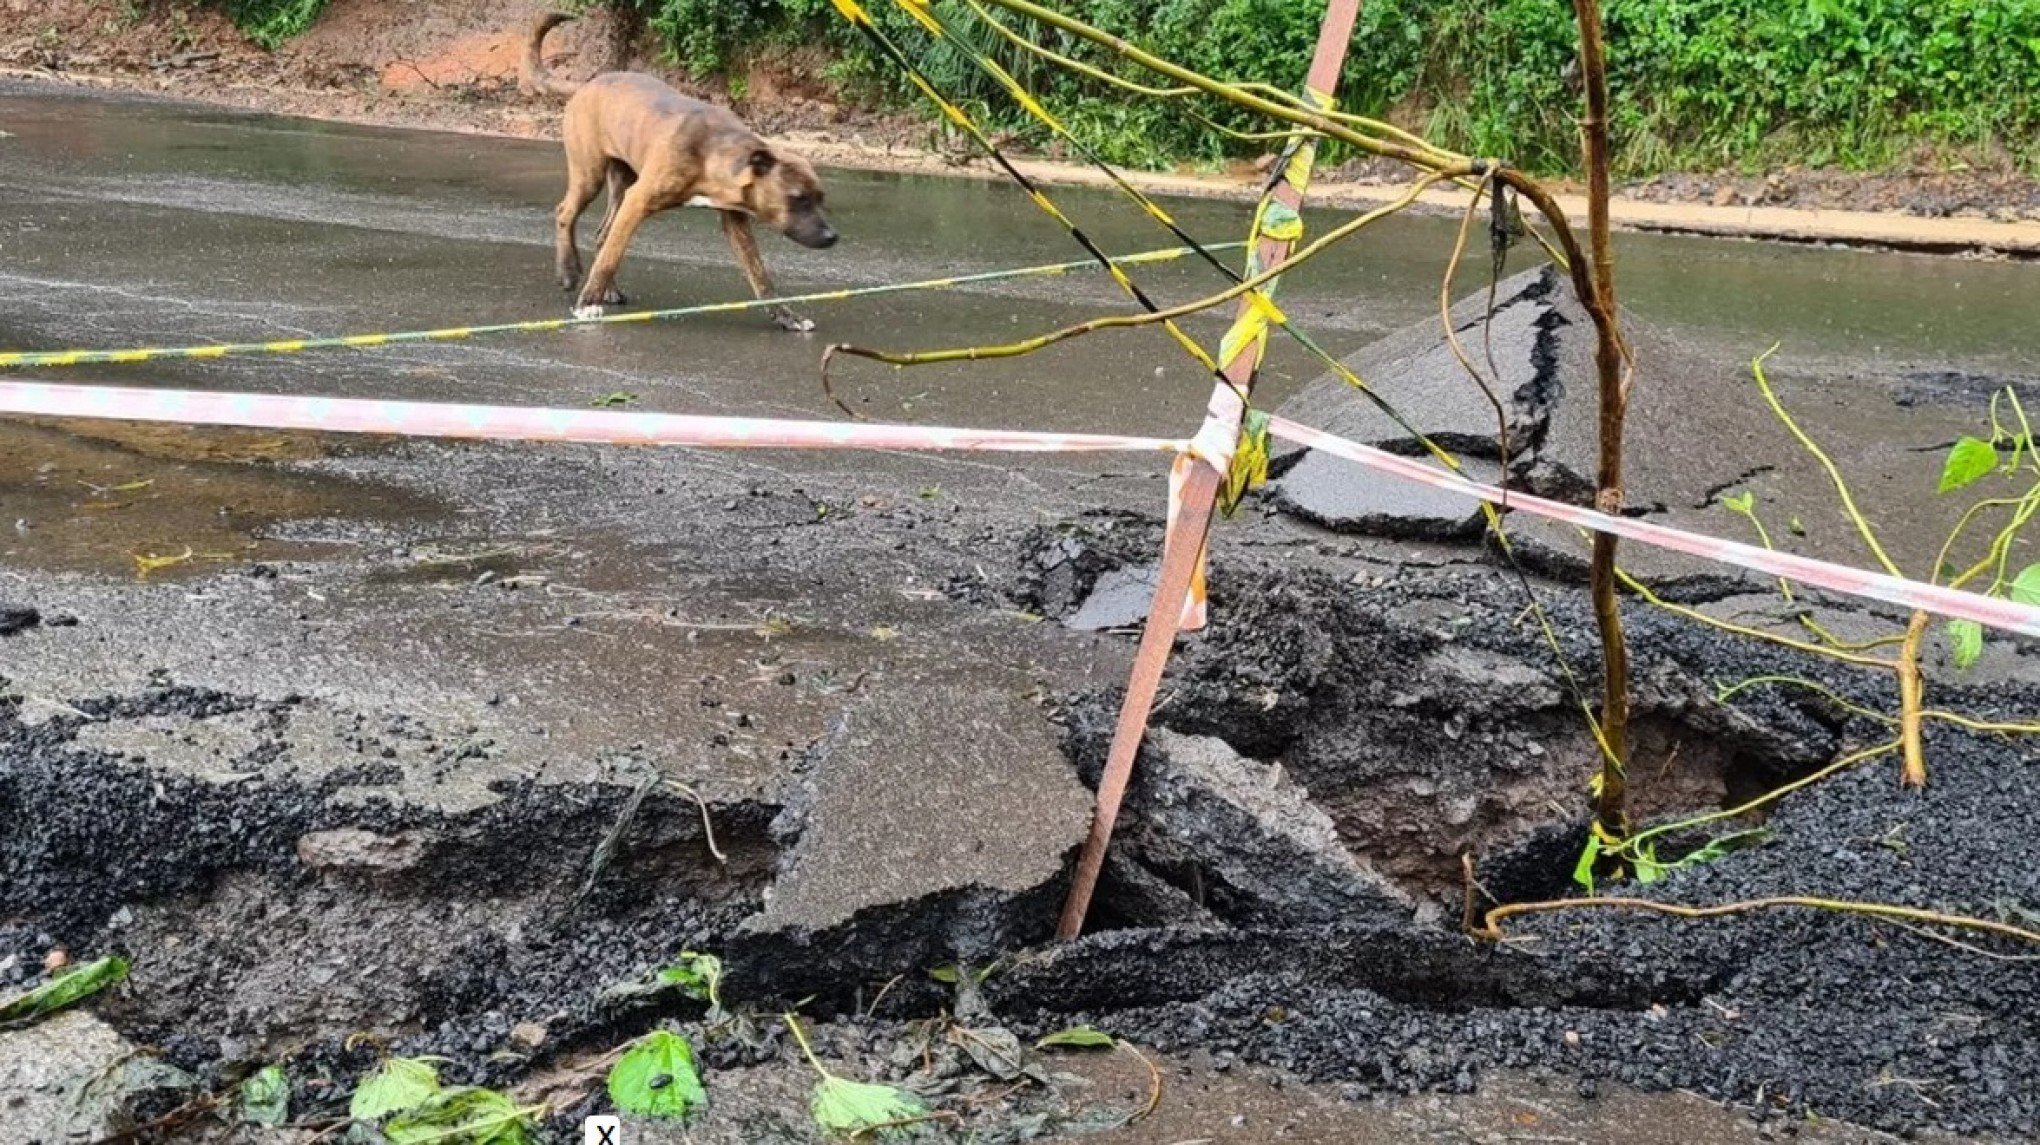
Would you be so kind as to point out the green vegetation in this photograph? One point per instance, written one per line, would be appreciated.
(842, 1107)
(1997, 522)
(62, 989)
(657, 1078)
(1971, 460)
(265, 1097)
(405, 1101)
(1077, 1038)
(1696, 83)
(271, 22)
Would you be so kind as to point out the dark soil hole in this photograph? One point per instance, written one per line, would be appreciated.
(1425, 724)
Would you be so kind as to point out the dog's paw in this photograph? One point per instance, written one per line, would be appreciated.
(614, 297)
(794, 323)
(590, 310)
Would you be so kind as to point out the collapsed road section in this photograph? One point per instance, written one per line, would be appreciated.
(454, 792)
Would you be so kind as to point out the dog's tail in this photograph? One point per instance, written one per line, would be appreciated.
(532, 76)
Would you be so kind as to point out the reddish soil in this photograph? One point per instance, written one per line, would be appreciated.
(448, 64)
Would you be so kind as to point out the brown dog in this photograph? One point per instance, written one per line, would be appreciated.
(654, 149)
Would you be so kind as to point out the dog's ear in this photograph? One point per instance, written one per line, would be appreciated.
(762, 162)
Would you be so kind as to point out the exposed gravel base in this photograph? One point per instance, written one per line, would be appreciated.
(1788, 1012)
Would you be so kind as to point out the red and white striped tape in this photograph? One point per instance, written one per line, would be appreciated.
(533, 423)
(1954, 603)
(629, 427)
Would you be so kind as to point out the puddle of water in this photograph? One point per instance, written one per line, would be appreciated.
(163, 501)
(459, 566)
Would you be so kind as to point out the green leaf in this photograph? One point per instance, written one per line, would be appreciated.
(400, 1084)
(657, 1078)
(1648, 869)
(462, 1116)
(64, 989)
(948, 975)
(1798, 530)
(698, 976)
(1583, 871)
(1967, 463)
(265, 1097)
(1968, 638)
(1076, 1037)
(1744, 503)
(2026, 586)
(1725, 845)
(844, 1106)
(619, 398)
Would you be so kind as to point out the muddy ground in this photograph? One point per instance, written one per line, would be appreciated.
(452, 66)
(291, 870)
(427, 748)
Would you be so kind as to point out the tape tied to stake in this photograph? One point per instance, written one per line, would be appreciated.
(1993, 612)
(536, 423)
(1219, 437)
(1215, 445)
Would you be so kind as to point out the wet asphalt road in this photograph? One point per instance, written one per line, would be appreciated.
(151, 223)
(144, 223)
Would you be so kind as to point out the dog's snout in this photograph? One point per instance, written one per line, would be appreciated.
(814, 235)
